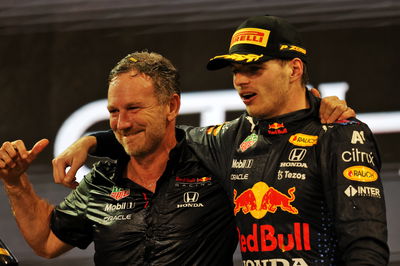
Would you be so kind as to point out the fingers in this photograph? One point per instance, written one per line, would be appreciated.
(38, 148)
(10, 152)
(347, 114)
(15, 159)
(59, 167)
(315, 92)
(331, 109)
(63, 175)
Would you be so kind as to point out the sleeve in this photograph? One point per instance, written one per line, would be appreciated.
(68, 220)
(107, 145)
(351, 166)
(213, 145)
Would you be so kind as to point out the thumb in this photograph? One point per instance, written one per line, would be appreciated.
(38, 148)
(315, 92)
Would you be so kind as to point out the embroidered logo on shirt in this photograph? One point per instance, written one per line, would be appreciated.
(277, 128)
(119, 193)
(248, 142)
(303, 140)
(261, 199)
(360, 173)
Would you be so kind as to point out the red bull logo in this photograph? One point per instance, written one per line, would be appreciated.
(261, 199)
(265, 238)
(193, 179)
(277, 128)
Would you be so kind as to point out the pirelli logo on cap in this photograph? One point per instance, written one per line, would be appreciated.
(253, 36)
(303, 140)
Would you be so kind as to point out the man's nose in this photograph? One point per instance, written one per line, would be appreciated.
(123, 121)
(240, 79)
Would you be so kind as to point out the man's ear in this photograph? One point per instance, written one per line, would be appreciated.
(174, 106)
(297, 69)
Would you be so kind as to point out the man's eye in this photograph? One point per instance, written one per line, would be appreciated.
(112, 111)
(254, 69)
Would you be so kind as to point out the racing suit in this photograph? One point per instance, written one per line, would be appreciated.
(187, 221)
(303, 193)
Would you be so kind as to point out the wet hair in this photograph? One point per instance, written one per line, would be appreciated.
(163, 73)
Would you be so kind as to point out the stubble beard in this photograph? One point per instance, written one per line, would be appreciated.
(140, 149)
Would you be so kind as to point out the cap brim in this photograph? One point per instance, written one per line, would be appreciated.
(222, 61)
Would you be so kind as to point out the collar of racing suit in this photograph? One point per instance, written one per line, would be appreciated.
(290, 122)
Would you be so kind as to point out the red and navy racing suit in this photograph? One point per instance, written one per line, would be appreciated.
(303, 193)
(187, 221)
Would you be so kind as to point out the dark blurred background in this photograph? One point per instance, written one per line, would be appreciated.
(55, 56)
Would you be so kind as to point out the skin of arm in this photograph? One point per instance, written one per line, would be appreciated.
(31, 212)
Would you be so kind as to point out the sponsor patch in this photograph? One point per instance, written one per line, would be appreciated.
(297, 154)
(303, 140)
(119, 206)
(362, 191)
(261, 199)
(274, 262)
(214, 130)
(292, 175)
(120, 217)
(245, 163)
(355, 155)
(360, 173)
(119, 193)
(357, 137)
(239, 176)
(190, 200)
(266, 237)
(192, 181)
(248, 142)
(4, 252)
(253, 36)
(293, 164)
(277, 129)
(286, 47)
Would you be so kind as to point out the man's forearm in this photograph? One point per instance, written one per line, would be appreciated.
(31, 213)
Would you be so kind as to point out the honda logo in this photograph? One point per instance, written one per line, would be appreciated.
(297, 154)
(191, 196)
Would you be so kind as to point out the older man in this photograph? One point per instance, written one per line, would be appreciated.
(157, 205)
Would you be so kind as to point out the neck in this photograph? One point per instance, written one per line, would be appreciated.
(296, 100)
(146, 170)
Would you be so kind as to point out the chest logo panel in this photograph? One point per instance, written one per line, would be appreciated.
(248, 142)
(360, 173)
(261, 199)
(303, 140)
(119, 193)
